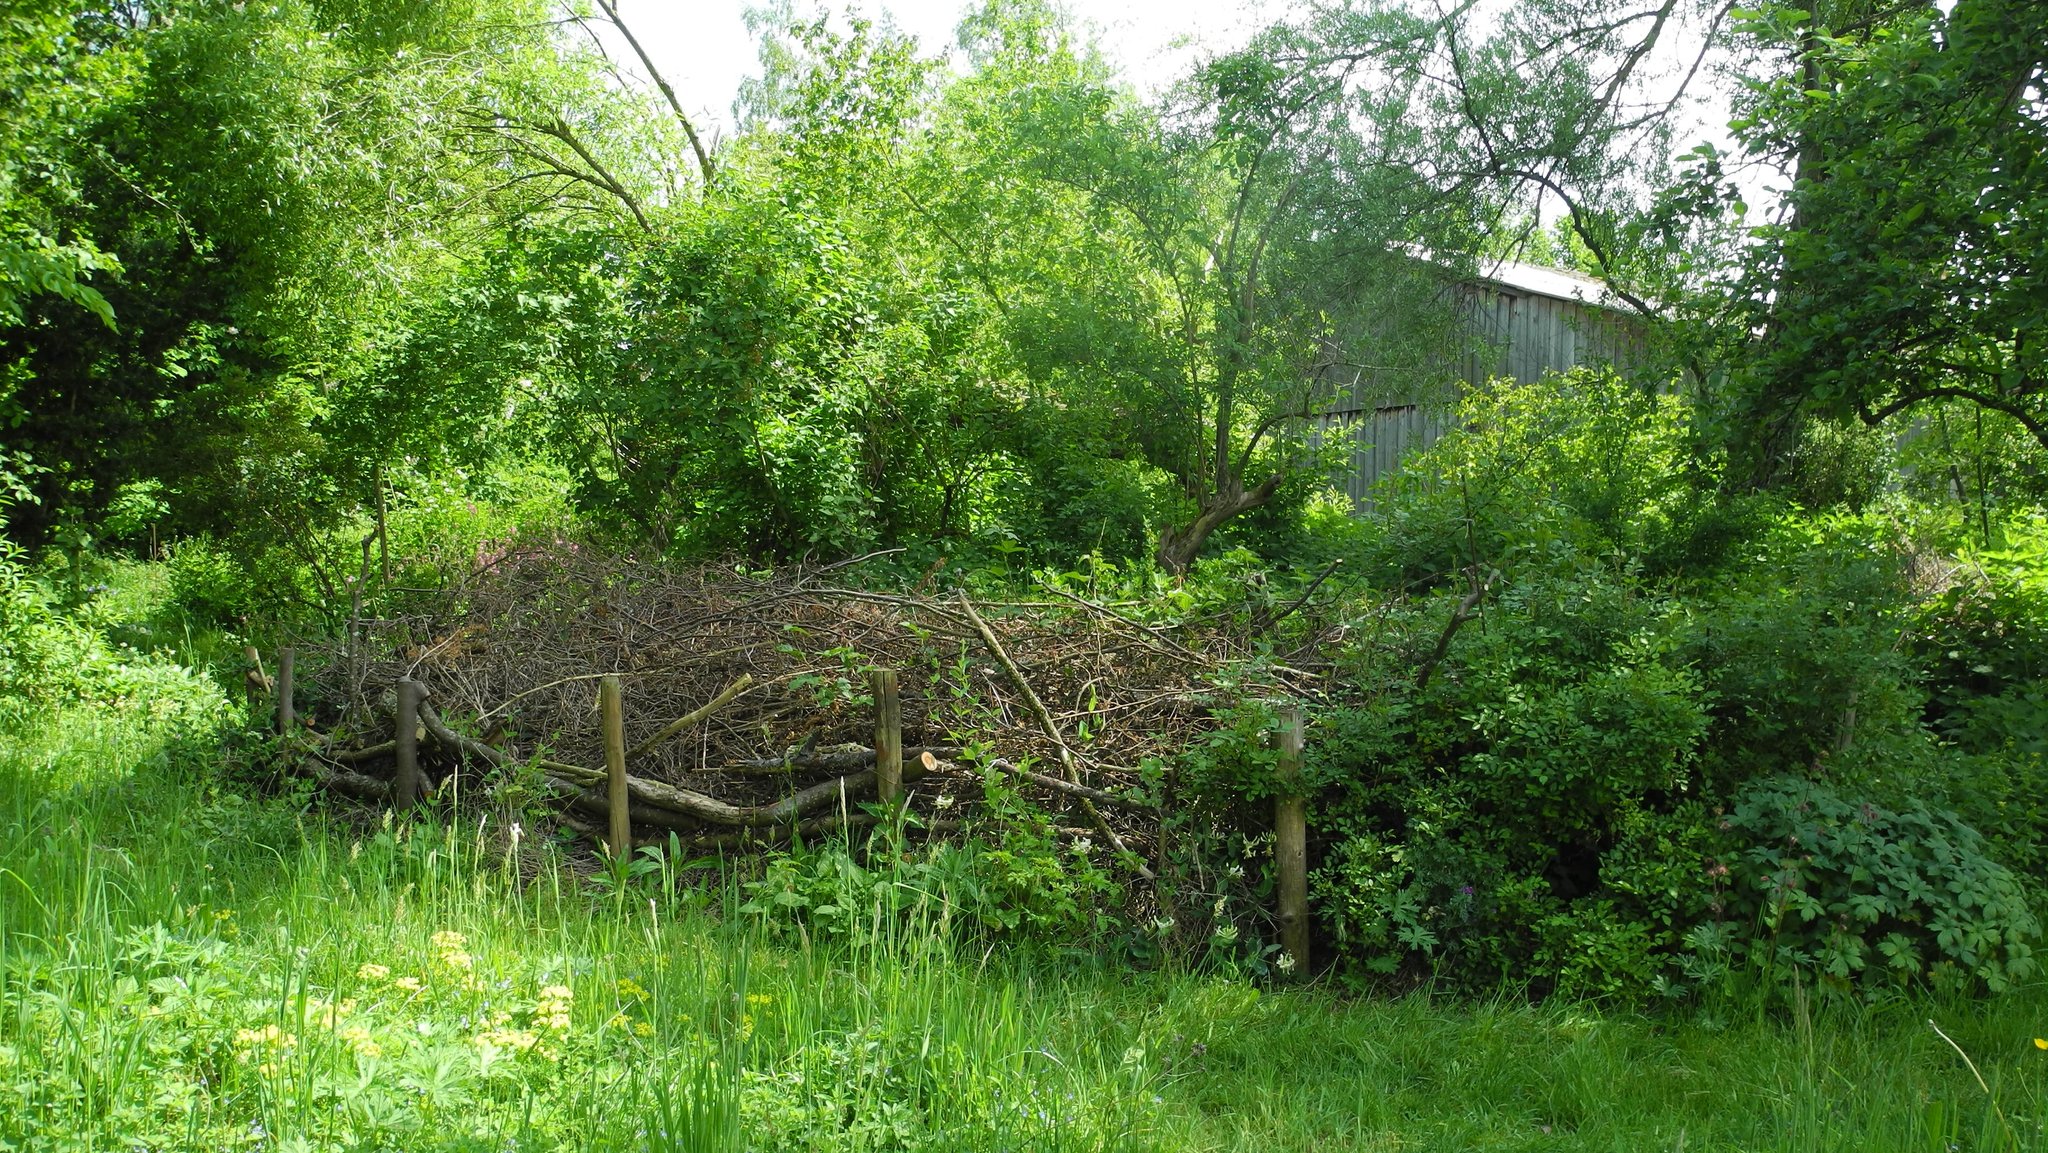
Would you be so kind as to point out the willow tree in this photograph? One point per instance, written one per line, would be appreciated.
(1250, 239)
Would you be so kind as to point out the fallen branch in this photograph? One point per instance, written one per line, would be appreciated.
(711, 810)
(1054, 783)
(356, 756)
(1151, 633)
(837, 759)
(1045, 721)
(455, 742)
(692, 717)
(357, 785)
(761, 838)
(1263, 622)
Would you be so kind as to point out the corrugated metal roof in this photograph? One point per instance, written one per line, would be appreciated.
(1554, 283)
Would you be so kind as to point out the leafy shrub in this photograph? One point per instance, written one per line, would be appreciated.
(1820, 879)
(1022, 884)
(208, 582)
(1543, 805)
(48, 660)
(1466, 818)
(1983, 642)
(1583, 458)
(38, 648)
(1799, 645)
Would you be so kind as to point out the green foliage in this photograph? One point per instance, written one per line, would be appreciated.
(49, 660)
(1801, 647)
(1904, 273)
(1018, 883)
(58, 59)
(1527, 784)
(1585, 459)
(1856, 891)
(1984, 644)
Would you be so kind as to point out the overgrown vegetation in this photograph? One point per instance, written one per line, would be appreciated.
(190, 967)
(1682, 709)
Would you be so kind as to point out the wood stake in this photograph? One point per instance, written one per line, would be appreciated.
(287, 714)
(612, 706)
(888, 736)
(1290, 844)
(405, 790)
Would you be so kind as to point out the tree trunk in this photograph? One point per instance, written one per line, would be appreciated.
(1179, 545)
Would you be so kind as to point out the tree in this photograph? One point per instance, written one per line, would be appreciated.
(1257, 238)
(279, 185)
(1907, 268)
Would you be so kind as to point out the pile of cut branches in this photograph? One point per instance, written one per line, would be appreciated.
(746, 702)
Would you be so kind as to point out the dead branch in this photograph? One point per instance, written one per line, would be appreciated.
(693, 717)
(704, 167)
(1045, 721)
(1464, 612)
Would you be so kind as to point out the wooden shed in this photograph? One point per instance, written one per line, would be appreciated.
(1519, 321)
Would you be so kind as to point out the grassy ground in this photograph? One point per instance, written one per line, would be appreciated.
(184, 968)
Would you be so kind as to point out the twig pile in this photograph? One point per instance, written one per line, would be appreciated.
(746, 704)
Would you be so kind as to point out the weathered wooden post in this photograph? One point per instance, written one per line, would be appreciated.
(1290, 844)
(612, 709)
(888, 736)
(287, 713)
(405, 786)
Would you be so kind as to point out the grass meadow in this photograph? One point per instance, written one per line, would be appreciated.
(183, 967)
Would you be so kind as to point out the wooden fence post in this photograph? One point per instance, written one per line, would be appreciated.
(405, 787)
(287, 713)
(612, 709)
(1290, 844)
(888, 736)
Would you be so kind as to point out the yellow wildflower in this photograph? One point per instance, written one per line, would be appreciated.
(409, 984)
(643, 1028)
(760, 999)
(2041, 1042)
(359, 1042)
(269, 1038)
(371, 971)
(329, 1015)
(515, 1039)
(631, 989)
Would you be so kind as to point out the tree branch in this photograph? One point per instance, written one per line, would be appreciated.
(704, 166)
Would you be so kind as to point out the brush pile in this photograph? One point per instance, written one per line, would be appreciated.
(1065, 699)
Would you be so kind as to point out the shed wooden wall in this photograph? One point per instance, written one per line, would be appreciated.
(1524, 335)
(1518, 334)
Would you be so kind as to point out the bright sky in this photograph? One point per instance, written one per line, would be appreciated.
(703, 48)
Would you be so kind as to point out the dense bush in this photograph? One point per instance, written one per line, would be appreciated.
(1817, 878)
(1601, 780)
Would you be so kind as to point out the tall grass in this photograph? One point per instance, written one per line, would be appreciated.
(182, 967)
